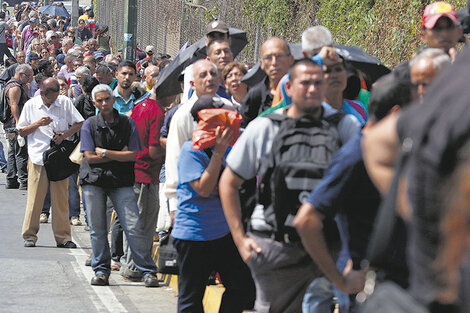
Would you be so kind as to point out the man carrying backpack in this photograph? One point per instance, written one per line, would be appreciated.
(288, 151)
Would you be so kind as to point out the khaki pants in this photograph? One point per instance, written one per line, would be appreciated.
(37, 189)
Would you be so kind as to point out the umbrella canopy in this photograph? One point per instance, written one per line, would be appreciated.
(167, 84)
(369, 65)
(54, 10)
(364, 62)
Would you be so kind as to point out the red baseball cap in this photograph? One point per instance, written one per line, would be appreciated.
(433, 12)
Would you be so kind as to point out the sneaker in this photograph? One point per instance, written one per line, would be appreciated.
(75, 221)
(68, 245)
(13, 185)
(115, 265)
(100, 280)
(43, 218)
(29, 244)
(151, 280)
(88, 260)
(23, 186)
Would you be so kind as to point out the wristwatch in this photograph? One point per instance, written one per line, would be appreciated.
(103, 153)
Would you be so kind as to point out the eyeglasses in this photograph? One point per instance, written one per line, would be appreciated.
(270, 58)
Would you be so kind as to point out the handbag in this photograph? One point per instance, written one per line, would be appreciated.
(167, 255)
(56, 160)
(76, 156)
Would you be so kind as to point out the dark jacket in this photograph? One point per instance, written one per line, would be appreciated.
(113, 136)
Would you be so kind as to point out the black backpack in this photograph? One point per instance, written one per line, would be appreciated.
(5, 110)
(301, 152)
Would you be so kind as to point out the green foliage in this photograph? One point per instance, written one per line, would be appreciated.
(389, 30)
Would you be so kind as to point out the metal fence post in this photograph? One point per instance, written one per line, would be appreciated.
(75, 16)
(130, 29)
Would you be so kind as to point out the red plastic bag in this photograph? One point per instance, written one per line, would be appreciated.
(204, 133)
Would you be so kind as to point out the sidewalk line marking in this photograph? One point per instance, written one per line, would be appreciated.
(104, 293)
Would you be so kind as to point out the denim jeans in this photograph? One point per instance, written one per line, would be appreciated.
(3, 161)
(17, 160)
(319, 297)
(126, 208)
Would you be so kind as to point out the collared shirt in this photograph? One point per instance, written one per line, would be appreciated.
(121, 105)
(63, 115)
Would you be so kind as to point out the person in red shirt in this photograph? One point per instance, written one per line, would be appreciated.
(148, 117)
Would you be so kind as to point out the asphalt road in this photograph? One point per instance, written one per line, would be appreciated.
(49, 279)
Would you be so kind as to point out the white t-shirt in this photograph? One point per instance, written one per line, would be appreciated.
(63, 114)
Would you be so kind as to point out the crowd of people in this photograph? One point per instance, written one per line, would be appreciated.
(332, 192)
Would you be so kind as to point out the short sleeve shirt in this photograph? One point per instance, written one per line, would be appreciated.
(197, 218)
(346, 188)
(63, 114)
(148, 117)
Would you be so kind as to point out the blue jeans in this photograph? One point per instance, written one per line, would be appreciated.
(17, 160)
(319, 297)
(3, 161)
(126, 208)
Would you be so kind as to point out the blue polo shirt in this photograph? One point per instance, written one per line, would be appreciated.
(121, 105)
(197, 218)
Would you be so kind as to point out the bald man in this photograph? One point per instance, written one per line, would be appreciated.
(44, 119)
(150, 77)
(204, 82)
(275, 61)
(425, 67)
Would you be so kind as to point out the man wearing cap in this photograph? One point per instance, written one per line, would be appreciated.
(440, 27)
(3, 42)
(215, 30)
(149, 50)
(27, 33)
(33, 61)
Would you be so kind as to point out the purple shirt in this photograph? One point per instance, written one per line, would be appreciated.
(26, 35)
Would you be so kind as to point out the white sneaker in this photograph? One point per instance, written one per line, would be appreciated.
(43, 218)
(115, 266)
(75, 221)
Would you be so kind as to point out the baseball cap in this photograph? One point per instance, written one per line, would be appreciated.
(216, 26)
(433, 12)
(33, 20)
(89, 8)
(98, 55)
(60, 59)
(205, 102)
(149, 49)
(34, 56)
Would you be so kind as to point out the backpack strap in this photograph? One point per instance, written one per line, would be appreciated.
(335, 118)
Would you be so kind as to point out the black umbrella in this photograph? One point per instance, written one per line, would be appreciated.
(54, 10)
(369, 65)
(364, 62)
(168, 85)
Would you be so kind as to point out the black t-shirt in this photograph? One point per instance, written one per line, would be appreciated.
(258, 99)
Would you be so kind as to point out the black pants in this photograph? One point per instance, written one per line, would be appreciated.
(4, 50)
(197, 259)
